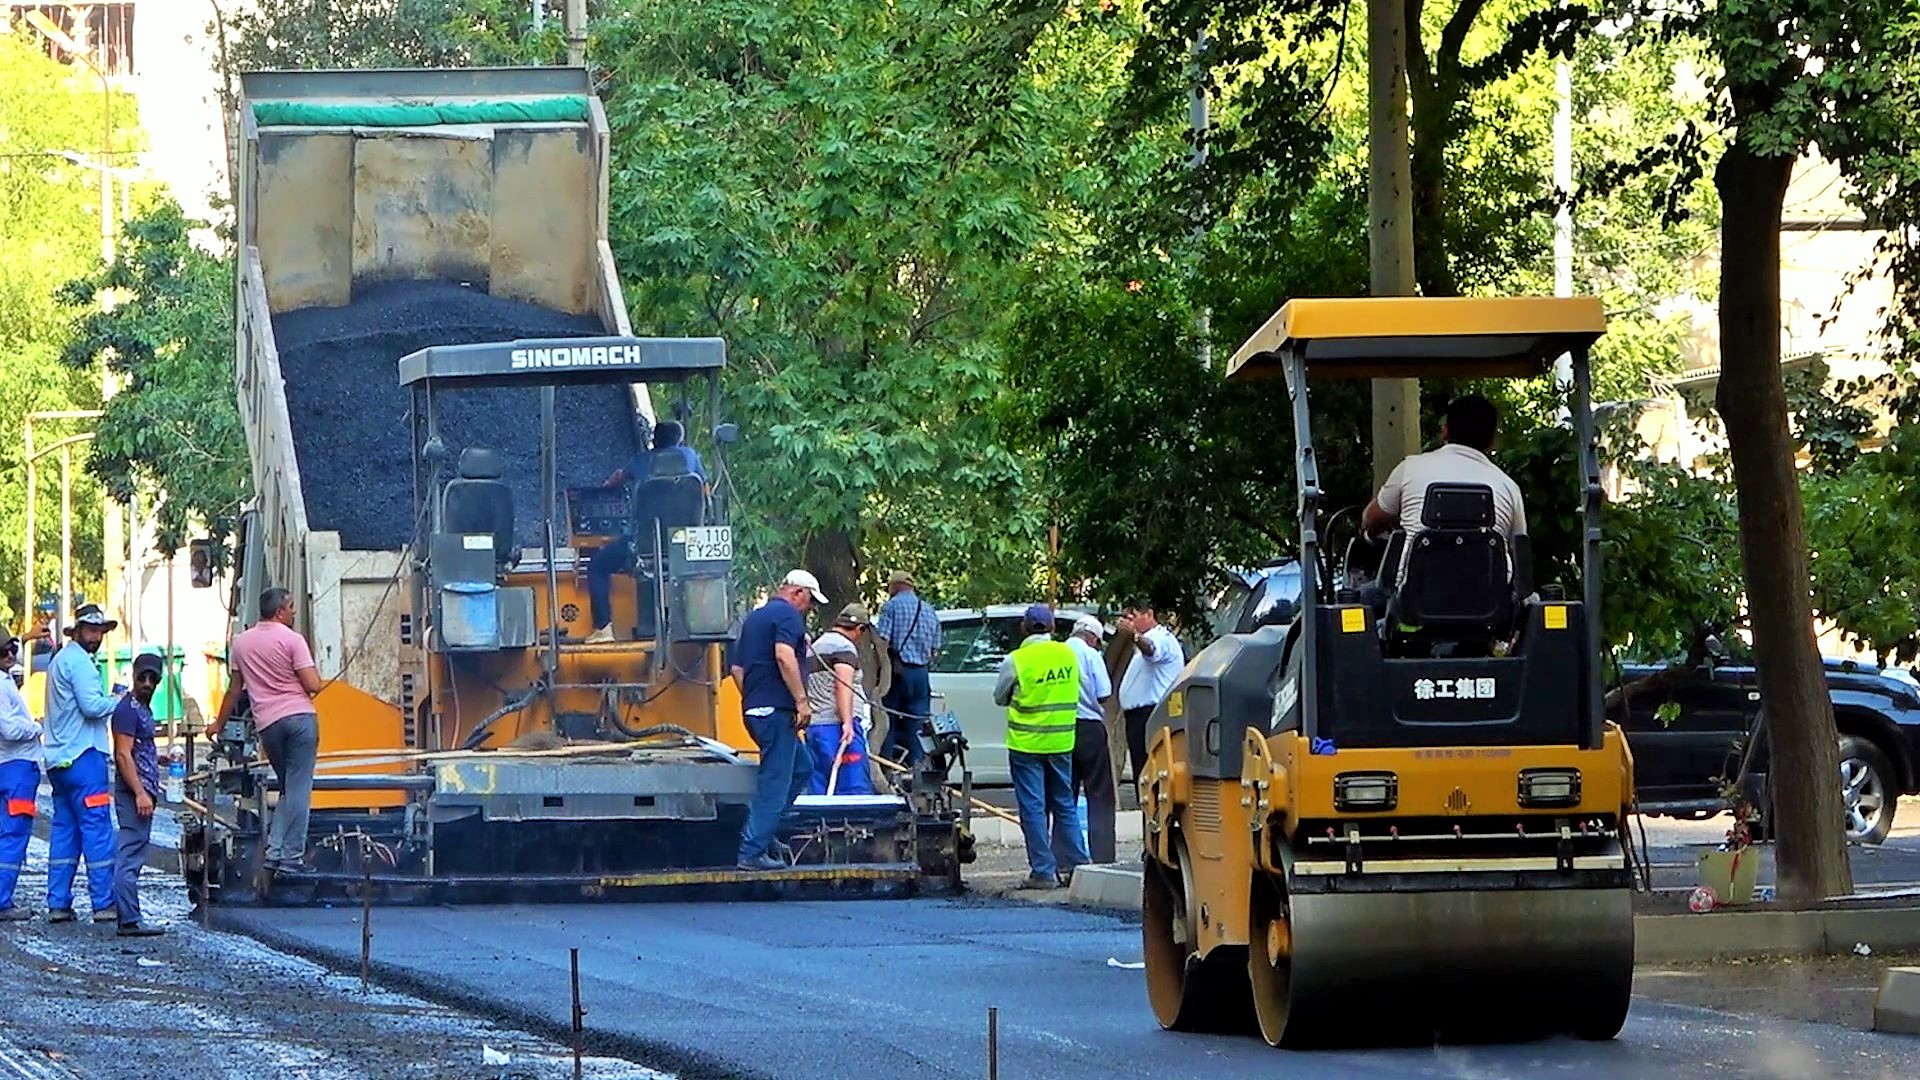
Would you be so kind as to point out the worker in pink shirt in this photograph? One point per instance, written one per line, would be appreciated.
(272, 663)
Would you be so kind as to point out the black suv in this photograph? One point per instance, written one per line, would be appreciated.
(1686, 729)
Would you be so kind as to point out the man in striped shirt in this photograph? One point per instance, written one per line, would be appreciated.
(909, 629)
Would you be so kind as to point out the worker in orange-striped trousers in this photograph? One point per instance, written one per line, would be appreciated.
(19, 781)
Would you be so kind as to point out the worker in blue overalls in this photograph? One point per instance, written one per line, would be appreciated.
(19, 781)
(79, 756)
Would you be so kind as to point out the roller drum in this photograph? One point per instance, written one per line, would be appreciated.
(1412, 966)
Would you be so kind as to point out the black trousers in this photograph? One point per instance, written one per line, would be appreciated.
(1093, 778)
(1137, 738)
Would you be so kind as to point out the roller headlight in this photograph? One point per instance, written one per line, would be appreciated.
(1363, 792)
(1549, 787)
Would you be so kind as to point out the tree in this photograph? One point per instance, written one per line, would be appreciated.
(1793, 74)
(848, 193)
(161, 315)
(1285, 217)
(48, 233)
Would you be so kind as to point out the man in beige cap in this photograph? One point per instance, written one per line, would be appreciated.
(837, 737)
(909, 628)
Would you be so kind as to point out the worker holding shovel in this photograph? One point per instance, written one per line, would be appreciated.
(837, 738)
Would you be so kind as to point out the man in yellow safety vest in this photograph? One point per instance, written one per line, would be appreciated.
(1039, 684)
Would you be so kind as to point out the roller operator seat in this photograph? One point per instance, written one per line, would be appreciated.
(1458, 581)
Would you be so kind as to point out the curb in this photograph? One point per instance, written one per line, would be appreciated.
(1665, 938)
(1896, 1008)
(1109, 886)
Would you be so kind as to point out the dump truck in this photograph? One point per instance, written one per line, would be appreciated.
(439, 383)
(1401, 813)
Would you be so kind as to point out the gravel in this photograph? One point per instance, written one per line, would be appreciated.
(208, 1005)
(349, 413)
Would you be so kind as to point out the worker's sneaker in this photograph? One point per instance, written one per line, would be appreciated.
(138, 930)
(59, 915)
(15, 914)
(109, 915)
(1040, 881)
(601, 636)
(780, 851)
(762, 862)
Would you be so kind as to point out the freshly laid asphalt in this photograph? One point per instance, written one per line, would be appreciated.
(854, 989)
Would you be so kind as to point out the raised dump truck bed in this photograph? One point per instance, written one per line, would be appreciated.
(357, 186)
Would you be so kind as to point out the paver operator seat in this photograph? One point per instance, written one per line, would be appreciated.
(478, 502)
(671, 496)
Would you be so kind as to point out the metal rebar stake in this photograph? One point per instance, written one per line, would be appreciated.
(579, 1014)
(993, 1043)
(366, 913)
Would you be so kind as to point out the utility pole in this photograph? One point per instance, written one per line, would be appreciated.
(1396, 402)
(1199, 122)
(576, 30)
(1563, 218)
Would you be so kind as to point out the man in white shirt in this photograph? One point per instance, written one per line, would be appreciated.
(1467, 434)
(1092, 765)
(1151, 673)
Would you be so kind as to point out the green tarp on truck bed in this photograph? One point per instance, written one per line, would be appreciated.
(566, 108)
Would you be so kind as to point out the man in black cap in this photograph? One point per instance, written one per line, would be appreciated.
(136, 791)
(77, 753)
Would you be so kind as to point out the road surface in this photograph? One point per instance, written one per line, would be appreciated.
(887, 988)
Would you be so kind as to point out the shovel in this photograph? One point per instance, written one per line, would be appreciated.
(840, 755)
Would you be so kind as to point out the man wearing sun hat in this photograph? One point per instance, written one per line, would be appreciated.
(79, 754)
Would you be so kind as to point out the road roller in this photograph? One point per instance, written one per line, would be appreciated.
(1399, 817)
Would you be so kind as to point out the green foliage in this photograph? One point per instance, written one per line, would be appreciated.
(849, 194)
(295, 34)
(48, 233)
(161, 317)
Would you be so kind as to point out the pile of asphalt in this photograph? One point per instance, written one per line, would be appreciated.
(350, 415)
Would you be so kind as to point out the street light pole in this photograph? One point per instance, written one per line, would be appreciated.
(113, 538)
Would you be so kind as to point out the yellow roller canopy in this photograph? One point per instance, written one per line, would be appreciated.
(1418, 337)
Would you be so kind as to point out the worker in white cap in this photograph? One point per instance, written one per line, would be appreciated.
(768, 658)
(1092, 763)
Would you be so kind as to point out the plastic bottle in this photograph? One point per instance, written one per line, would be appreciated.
(177, 781)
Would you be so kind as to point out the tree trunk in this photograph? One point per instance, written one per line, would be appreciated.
(1432, 268)
(1808, 814)
(1396, 402)
(834, 558)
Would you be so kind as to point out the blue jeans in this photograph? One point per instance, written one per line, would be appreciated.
(1043, 788)
(785, 770)
(823, 745)
(129, 855)
(82, 825)
(19, 783)
(908, 700)
(605, 563)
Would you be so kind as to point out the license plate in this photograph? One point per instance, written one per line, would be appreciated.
(710, 543)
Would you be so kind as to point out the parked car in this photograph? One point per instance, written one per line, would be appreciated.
(1687, 733)
(973, 641)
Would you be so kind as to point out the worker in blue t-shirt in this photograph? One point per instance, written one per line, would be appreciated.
(768, 659)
